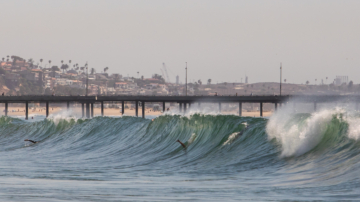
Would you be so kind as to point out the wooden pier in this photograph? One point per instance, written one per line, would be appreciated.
(87, 102)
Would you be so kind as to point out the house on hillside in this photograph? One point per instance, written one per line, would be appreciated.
(122, 85)
(50, 82)
(101, 77)
(55, 74)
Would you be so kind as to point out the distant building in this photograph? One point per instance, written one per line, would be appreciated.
(339, 80)
(177, 79)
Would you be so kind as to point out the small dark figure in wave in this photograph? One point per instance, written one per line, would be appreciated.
(182, 144)
(32, 141)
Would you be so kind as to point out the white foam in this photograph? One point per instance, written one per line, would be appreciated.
(354, 127)
(231, 138)
(67, 115)
(204, 109)
(295, 139)
(192, 138)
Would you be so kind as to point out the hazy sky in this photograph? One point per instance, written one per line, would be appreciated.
(222, 40)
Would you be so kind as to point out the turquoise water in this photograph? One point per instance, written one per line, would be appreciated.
(228, 158)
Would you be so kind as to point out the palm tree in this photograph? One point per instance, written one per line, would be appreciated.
(66, 67)
(307, 82)
(92, 71)
(63, 67)
(3, 59)
(209, 81)
(82, 68)
(285, 80)
(105, 69)
(50, 63)
(69, 62)
(62, 61)
(41, 60)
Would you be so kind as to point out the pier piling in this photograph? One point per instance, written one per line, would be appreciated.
(102, 108)
(240, 108)
(87, 110)
(27, 110)
(82, 109)
(143, 109)
(92, 110)
(47, 109)
(6, 108)
(136, 108)
(122, 107)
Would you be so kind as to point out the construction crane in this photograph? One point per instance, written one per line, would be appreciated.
(162, 72)
(167, 75)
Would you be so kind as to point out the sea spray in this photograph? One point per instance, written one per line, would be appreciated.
(301, 133)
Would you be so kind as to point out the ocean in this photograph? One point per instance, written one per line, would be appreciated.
(289, 156)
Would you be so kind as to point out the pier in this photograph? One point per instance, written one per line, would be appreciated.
(87, 102)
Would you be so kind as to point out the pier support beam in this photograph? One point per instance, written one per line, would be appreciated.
(87, 110)
(122, 107)
(276, 106)
(261, 109)
(180, 107)
(47, 109)
(219, 107)
(240, 108)
(82, 109)
(136, 108)
(315, 106)
(92, 110)
(6, 108)
(143, 109)
(164, 107)
(27, 110)
(68, 105)
(102, 108)
(184, 107)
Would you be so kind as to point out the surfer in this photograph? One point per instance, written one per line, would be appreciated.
(31, 141)
(182, 144)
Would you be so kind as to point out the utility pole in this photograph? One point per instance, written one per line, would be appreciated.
(87, 78)
(186, 80)
(280, 76)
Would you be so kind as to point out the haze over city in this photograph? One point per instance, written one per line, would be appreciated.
(220, 40)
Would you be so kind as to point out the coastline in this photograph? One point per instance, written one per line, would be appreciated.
(20, 111)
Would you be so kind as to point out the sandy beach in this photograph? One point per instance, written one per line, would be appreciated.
(20, 111)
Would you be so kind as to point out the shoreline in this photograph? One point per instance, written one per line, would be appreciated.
(20, 111)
